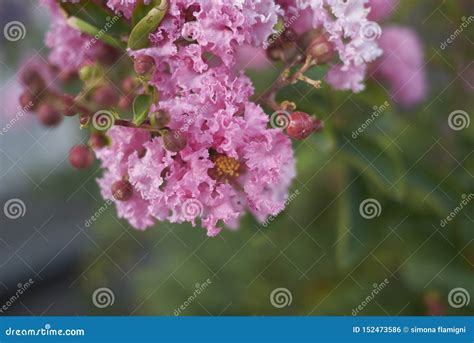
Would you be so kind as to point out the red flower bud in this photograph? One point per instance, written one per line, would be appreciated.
(289, 35)
(105, 96)
(33, 80)
(48, 116)
(98, 140)
(302, 125)
(129, 85)
(122, 190)
(321, 49)
(28, 101)
(84, 119)
(173, 140)
(81, 157)
(69, 105)
(143, 64)
(124, 102)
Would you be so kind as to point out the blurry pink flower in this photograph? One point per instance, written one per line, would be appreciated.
(402, 65)
(381, 9)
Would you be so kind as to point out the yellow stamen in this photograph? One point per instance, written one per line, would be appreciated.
(227, 167)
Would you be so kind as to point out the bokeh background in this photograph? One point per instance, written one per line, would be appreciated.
(321, 250)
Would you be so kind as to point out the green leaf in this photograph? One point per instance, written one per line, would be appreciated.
(93, 31)
(141, 107)
(148, 24)
(141, 10)
(97, 16)
(379, 161)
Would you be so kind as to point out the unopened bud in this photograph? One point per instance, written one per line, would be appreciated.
(105, 96)
(321, 49)
(173, 140)
(302, 125)
(48, 116)
(32, 80)
(143, 64)
(81, 157)
(98, 140)
(28, 101)
(122, 190)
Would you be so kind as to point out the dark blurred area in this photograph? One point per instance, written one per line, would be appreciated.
(327, 256)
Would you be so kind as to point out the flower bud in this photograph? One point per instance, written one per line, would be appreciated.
(289, 35)
(33, 80)
(128, 85)
(81, 157)
(122, 190)
(89, 73)
(173, 140)
(84, 119)
(28, 101)
(160, 119)
(143, 64)
(302, 125)
(124, 102)
(105, 96)
(318, 46)
(69, 105)
(106, 54)
(321, 50)
(48, 116)
(98, 140)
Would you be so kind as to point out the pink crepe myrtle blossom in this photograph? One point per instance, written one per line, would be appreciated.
(402, 65)
(205, 153)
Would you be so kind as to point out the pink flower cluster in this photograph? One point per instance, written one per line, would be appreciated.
(232, 160)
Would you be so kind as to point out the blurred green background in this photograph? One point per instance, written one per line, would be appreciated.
(320, 248)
